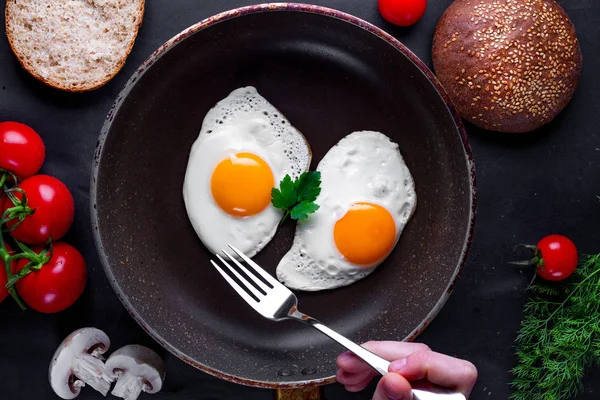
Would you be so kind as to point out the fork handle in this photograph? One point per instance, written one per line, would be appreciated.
(421, 390)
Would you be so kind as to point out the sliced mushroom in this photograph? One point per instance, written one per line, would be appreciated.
(136, 369)
(78, 361)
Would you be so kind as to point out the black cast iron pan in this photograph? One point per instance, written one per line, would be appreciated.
(330, 74)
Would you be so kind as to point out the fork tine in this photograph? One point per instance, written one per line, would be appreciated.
(260, 283)
(249, 299)
(243, 280)
(256, 267)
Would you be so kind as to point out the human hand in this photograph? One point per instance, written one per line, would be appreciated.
(410, 362)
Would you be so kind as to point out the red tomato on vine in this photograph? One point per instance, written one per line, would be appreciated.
(57, 284)
(22, 151)
(47, 212)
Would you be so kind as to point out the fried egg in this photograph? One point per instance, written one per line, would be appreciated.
(367, 197)
(244, 149)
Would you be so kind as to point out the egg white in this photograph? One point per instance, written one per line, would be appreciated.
(242, 122)
(364, 166)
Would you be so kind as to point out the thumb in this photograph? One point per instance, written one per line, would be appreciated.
(393, 387)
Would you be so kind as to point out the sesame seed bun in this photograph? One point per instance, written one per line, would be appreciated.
(509, 65)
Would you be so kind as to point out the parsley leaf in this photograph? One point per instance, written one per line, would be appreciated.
(308, 186)
(303, 209)
(297, 198)
(286, 196)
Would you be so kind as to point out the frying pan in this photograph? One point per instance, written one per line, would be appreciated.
(330, 74)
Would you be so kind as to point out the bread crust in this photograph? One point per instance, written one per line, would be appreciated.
(509, 65)
(57, 84)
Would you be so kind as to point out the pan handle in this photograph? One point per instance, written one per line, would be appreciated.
(421, 391)
(307, 393)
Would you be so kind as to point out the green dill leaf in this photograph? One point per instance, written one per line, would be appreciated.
(559, 336)
(303, 209)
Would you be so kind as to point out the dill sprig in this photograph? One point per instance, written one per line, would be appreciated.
(559, 336)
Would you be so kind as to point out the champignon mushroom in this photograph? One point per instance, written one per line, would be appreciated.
(135, 368)
(78, 361)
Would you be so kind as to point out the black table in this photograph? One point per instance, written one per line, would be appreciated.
(529, 186)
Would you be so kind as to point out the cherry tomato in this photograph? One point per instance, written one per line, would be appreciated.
(402, 12)
(3, 280)
(58, 284)
(21, 149)
(557, 257)
(54, 210)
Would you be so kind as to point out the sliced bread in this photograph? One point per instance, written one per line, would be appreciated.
(73, 45)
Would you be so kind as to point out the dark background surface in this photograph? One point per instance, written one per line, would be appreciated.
(528, 185)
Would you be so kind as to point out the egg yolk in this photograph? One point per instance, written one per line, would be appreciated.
(365, 234)
(241, 185)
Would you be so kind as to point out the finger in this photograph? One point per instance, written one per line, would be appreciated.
(349, 378)
(388, 350)
(357, 388)
(351, 363)
(394, 350)
(393, 387)
(439, 369)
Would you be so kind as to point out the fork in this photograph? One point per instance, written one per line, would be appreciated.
(274, 301)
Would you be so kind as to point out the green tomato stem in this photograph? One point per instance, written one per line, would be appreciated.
(35, 264)
(31, 257)
(6, 259)
(19, 210)
(523, 263)
(536, 260)
(26, 270)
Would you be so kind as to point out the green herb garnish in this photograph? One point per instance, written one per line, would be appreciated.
(297, 198)
(559, 336)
